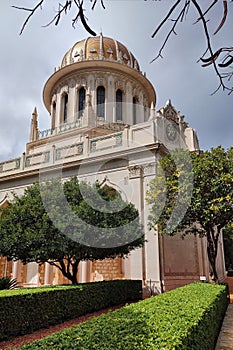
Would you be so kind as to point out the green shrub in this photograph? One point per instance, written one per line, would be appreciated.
(8, 283)
(25, 310)
(187, 318)
(230, 273)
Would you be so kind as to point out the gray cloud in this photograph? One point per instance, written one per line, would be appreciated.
(27, 61)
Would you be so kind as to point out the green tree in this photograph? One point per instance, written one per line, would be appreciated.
(65, 224)
(197, 196)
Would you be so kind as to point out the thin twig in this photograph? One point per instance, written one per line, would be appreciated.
(83, 20)
(209, 8)
(209, 45)
(224, 17)
(171, 31)
(61, 9)
(95, 2)
(75, 20)
(29, 16)
(166, 18)
(226, 63)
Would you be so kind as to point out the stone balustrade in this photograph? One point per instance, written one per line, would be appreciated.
(100, 123)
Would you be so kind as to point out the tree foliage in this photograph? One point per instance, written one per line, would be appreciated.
(59, 224)
(210, 207)
(177, 11)
(228, 245)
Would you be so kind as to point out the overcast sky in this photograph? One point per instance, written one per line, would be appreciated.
(27, 61)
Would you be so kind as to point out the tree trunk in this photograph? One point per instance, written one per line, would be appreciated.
(212, 235)
(68, 270)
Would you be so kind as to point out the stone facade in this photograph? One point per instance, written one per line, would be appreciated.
(104, 126)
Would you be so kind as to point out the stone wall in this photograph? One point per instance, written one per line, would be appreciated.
(5, 267)
(108, 269)
(183, 260)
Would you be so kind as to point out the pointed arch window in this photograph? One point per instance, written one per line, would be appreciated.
(100, 101)
(65, 108)
(119, 98)
(81, 101)
(54, 107)
(146, 115)
(135, 101)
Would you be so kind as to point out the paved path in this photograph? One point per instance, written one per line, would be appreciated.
(225, 339)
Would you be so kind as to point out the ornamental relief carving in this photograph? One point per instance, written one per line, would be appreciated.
(170, 113)
(72, 83)
(120, 85)
(142, 170)
(81, 82)
(68, 151)
(145, 101)
(135, 171)
(54, 99)
(149, 169)
(140, 98)
(135, 91)
(64, 89)
(128, 88)
(100, 82)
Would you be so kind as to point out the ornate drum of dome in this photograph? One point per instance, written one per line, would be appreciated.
(98, 66)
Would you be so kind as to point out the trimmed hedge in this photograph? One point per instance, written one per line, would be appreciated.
(23, 311)
(188, 318)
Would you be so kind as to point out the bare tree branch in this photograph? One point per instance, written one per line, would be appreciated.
(39, 5)
(95, 2)
(179, 17)
(224, 17)
(208, 9)
(226, 63)
(165, 19)
(83, 20)
(181, 8)
(210, 59)
(63, 8)
(210, 48)
(213, 57)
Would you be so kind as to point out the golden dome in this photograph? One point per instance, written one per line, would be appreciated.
(100, 48)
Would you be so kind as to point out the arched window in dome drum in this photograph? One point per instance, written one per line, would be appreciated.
(101, 101)
(146, 115)
(81, 101)
(65, 108)
(119, 105)
(135, 101)
(53, 115)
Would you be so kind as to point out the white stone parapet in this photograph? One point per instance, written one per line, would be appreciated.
(79, 143)
(79, 124)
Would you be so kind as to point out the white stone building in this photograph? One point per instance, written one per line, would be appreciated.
(103, 125)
